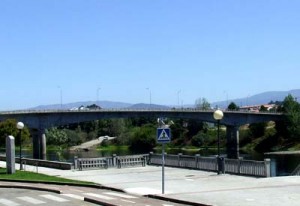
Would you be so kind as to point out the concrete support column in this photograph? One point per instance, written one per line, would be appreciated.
(232, 135)
(39, 144)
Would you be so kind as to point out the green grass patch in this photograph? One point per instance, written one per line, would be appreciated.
(113, 147)
(31, 176)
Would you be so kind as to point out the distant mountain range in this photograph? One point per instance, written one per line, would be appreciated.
(103, 104)
(262, 98)
(258, 99)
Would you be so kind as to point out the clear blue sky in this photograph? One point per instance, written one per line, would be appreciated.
(210, 49)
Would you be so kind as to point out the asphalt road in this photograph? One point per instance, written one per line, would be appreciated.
(16, 197)
(70, 195)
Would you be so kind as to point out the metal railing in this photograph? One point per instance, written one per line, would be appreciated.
(133, 110)
(233, 166)
(109, 162)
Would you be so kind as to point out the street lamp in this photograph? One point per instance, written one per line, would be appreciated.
(60, 91)
(178, 92)
(149, 97)
(20, 126)
(98, 89)
(218, 115)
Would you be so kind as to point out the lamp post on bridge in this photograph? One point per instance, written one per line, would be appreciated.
(149, 97)
(20, 126)
(218, 115)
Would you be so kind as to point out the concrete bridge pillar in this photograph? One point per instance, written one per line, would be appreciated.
(39, 144)
(233, 148)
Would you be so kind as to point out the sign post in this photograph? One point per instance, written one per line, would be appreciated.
(163, 137)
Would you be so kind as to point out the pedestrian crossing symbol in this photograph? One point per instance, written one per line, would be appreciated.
(163, 135)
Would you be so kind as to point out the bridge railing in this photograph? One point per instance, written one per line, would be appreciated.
(133, 110)
(232, 166)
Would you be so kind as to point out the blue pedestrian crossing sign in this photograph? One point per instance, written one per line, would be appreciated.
(163, 135)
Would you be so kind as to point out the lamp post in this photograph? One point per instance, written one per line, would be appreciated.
(20, 126)
(218, 115)
(149, 97)
(60, 92)
(98, 89)
(178, 92)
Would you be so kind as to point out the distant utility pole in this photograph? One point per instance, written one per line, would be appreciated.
(98, 89)
(60, 89)
(178, 92)
(149, 96)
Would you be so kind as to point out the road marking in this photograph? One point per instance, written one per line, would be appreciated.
(189, 180)
(128, 201)
(75, 190)
(120, 195)
(8, 202)
(54, 198)
(31, 200)
(74, 196)
(142, 190)
(99, 196)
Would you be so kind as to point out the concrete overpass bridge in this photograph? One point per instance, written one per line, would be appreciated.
(41, 120)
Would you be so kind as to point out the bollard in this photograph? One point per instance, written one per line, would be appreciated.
(10, 155)
(269, 171)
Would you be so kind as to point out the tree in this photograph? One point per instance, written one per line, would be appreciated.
(8, 127)
(291, 108)
(143, 139)
(233, 106)
(263, 108)
(202, 103)
(56, 136)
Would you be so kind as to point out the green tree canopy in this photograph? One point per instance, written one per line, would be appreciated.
(233, 106)
(56, 136)
(143, 139)
(8, 127)
(291, 108)
(202, 103)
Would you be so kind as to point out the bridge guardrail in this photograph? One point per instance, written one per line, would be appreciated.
(134, 110)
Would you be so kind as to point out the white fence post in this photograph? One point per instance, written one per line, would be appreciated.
(267, 167)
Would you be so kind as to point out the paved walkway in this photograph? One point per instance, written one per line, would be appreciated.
(193, 185)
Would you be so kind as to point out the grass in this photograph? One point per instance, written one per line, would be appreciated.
(31, 176)
(113, 147)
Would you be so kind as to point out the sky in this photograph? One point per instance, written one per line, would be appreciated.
(124, 50)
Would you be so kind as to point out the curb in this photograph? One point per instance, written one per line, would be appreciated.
(86, 199)
(31, 188)
(96, 186)
(184, 202)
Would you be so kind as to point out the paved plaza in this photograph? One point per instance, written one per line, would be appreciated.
(192, 185)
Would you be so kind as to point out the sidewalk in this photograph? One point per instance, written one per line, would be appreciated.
(193, 185)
